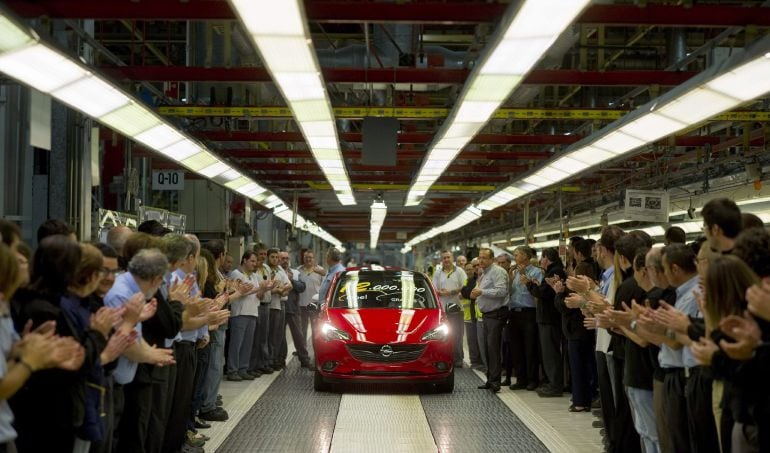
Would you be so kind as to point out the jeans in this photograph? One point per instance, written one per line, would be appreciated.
(644, 418)
(260, 350)
(214, 369)
(241, 342)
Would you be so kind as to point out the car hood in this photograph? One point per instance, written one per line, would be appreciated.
(385, 325)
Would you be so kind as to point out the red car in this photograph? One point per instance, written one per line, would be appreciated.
(383, 325)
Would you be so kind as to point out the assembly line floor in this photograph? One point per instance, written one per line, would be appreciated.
(282, 413)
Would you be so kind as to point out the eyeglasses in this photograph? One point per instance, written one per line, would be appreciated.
(105, 271)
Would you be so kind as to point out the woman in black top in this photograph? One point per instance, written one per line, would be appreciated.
(581, 343)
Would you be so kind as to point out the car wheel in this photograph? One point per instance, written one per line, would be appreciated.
(447, 385)
(319, 383)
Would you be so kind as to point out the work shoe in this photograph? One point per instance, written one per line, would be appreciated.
(194, 440)
(200, 424)
(246, 376)
(234, 376)
(214, 415)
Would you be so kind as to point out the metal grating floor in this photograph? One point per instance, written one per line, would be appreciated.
(473, 420)
(291, 417)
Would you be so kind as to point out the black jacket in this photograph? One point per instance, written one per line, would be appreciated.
(50, 406)
(546, 309)
(572, 320)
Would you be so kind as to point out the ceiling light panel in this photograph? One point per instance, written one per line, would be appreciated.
(92, 96)
(279, 32)
(525, 33)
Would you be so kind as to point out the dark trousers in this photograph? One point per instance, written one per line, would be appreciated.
(456, 328)
(201, 367)
(493, 333)
(583, 370)
(277, 334)
(553, 361)
(181, 402)
(260, 352)
(162, 390)
(293, 321)
(627, 439)
(676, 409)
(525, 354)
(605, 393)
(105, 445)
(135, 418)
(700, 415)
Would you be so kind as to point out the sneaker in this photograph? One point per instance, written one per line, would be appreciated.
(200, 424)
(193, 440)
(246, 376)
(215, 415)
(234, 376)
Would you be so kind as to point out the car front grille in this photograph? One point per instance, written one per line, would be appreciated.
(375, 353)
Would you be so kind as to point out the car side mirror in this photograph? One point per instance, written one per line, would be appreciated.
(453, 308)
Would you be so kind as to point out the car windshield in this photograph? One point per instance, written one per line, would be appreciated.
(383, 289)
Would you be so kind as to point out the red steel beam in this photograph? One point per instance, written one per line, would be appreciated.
(415, 12)
(397, 75)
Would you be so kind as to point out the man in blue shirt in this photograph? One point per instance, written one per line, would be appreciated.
(333, 257)
(491, 294)
(524, 354)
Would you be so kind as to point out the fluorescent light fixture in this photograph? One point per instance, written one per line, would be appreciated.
(92, 96)
(181, 150)
(24, 57)
(279, 32)
(526, 32)
(215, 169)
(714, 91)
(379, 211)
(162, 136)
(132, 120)
(41, 67)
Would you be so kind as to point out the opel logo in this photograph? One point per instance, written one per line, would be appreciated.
(386, 351)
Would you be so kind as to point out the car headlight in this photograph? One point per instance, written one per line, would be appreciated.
(332, 333)
(440, 333)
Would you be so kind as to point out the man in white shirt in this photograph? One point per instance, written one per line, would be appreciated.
(448, 281)
(311, 274)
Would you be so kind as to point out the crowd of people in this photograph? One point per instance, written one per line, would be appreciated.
(121, 346)
(667, 345)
